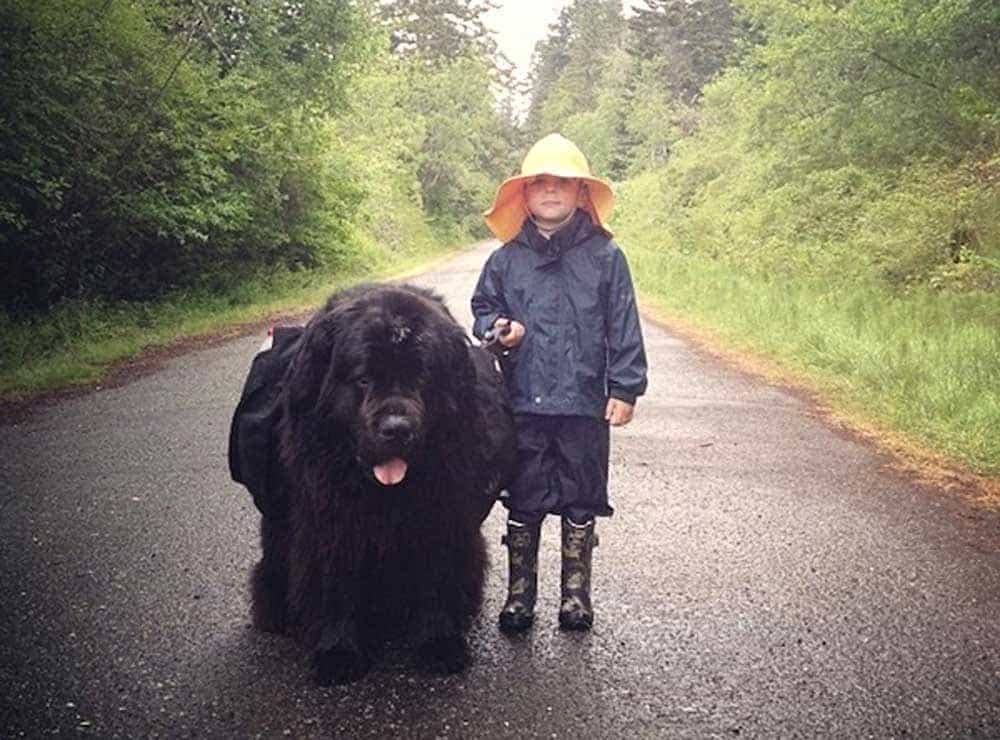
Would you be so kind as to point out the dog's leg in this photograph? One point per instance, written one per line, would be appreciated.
(340, 657)
(325, 587)
(439, 622)
(269, 580)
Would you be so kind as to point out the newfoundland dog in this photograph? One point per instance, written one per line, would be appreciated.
(375, 440)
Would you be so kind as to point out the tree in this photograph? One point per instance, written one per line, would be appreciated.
(134, 161)
(689, 41)
(859, 141)
(294, 44)
(455, 75)
(468, 146)
(569, 64)
(438, 31)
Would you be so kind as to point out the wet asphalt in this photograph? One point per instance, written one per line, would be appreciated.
(765, 575)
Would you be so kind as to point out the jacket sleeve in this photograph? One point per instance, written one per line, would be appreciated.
(626, 352)
(488, 302)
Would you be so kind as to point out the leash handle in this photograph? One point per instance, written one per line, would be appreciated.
(491, 339)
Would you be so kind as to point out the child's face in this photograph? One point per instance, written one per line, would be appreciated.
(552, 199)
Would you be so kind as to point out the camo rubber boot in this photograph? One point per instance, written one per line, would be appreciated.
(578, 543)
(522, 583)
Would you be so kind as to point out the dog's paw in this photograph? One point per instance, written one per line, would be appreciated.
(444, 654)
(340, 665)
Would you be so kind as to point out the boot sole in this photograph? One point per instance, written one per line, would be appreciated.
(575, 625)
(515, 624)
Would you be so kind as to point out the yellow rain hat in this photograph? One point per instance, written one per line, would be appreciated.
(553, 155)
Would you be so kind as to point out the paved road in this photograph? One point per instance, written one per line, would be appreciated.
(764, 576)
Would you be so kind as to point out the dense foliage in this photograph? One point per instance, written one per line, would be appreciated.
(848, 139)
(149, 146)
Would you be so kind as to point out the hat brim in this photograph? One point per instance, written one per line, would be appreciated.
(507, 214)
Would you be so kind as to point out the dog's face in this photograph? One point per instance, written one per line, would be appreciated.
(386, 370)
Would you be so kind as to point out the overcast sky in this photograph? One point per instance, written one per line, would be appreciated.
(520, 24)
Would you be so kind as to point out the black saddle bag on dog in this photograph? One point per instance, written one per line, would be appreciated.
(252, 437)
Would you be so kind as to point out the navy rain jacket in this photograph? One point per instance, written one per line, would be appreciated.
(573, 293)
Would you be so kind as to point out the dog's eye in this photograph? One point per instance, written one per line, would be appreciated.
(363, 381)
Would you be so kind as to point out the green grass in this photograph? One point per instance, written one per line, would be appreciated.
(77, 343)
(924, 364)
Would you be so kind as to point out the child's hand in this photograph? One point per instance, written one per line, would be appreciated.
(618, 413)
(512, 338)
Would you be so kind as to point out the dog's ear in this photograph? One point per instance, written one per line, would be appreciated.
(459, 396)
(313, 362)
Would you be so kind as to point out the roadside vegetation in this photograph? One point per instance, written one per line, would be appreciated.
(815, 183)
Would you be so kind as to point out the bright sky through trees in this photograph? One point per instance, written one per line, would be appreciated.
(520, 24)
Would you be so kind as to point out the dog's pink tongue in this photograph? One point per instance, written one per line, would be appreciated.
(390, 472)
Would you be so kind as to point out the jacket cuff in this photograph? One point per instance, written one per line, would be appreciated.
(622, 395)
(484, 323)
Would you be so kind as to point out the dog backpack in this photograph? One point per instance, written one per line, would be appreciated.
(252, 435)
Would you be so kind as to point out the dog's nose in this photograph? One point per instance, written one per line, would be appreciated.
(395, 428)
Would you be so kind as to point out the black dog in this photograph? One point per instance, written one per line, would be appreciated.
(376, 458)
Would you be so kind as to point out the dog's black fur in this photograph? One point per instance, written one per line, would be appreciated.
(383, 373)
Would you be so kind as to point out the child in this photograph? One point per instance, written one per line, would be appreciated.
(577, 363)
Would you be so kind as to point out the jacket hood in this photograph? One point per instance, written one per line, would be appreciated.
(577, 230)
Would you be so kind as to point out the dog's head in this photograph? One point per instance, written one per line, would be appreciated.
(384, 371)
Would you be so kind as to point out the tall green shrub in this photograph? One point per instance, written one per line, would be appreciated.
(138, 156)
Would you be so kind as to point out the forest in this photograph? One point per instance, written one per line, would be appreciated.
(817, 181)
